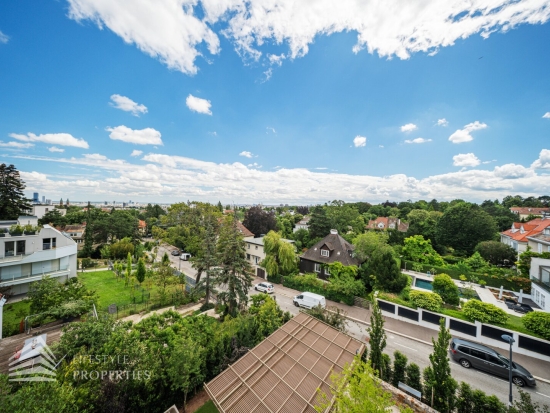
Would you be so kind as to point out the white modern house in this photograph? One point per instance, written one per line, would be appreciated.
(540, 282)
(25, 258)
(302, 224)
(40, 210)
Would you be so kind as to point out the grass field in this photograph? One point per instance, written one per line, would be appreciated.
(13, 314)
(207, 407)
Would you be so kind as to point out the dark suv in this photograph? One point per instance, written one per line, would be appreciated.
(470, 354)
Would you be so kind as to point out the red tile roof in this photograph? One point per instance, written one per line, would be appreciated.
(529, 210)
(387, 222)
(520, 231)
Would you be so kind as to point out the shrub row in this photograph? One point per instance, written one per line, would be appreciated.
(538, 322)
(484, 312)
(425, 299)
(310, 282)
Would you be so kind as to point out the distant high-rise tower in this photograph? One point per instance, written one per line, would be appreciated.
(35, 198)
(43, 199)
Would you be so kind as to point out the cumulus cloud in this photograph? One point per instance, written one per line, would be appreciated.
(546, 115)
(147, 136)
(464, 134)
(3, 38)
(417, 140)
(17, 145)
(63, 139)
(466, 159)
(198, 105)
(135, 152)
(246, 154)
(175, 30)
(442, 122)
(544, 160)
(513, 171)
(409, 127)
(359, 141)
(56, 149)
(128, 105)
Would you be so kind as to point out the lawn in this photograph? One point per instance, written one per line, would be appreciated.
(207, 407)
(13, 314)
(111, 290)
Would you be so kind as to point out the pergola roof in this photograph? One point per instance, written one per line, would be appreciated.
(283, 372)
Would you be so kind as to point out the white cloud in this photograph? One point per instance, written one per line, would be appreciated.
(466, 159)
(63, 139)
(544, 160)
(380, 146)
(246, 154)
(174, 30)
(409, 127)
(546, 115)
(147, 136)
(3, 38)
(135, 152)
(269, 128)
(128, 105)
(442, 122)
(359, 141)
(17, 145)
(198, 105)
(417, 140)
(254, 165)
(56, 149)
(463, 135)
(513, 171)
(95, 156)
(321, 168)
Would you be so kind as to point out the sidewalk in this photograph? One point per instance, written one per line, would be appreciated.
(539, 368)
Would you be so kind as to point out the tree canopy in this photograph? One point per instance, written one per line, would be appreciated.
(12, 199)
(259, 221)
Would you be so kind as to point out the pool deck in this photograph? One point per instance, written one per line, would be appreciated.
(484, 294)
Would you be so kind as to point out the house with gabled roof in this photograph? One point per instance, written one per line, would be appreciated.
(332, 248)
(518, 235)
(524, 212)
(385, 223)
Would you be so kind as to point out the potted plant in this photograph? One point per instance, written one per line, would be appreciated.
(30, 229)
(2, 232)
(482, 283)
(16, 230)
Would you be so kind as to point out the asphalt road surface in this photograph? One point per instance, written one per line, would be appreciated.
(417, 352)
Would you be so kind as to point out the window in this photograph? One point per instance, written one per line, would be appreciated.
(9, 248)
(256, 260)
(46, 243)
(495, 360)
(540, 247)
(478, 354)
(248, 246)
(327, 271)
(54, 242)
(248, 256)
(256, 247)
(324, 253)
(317, 267)
(464, 349)
(21, 247)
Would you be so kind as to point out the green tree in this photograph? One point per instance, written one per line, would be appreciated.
(356, 390)
(121, 249)
(53, 218)
(164, 277)
(207, 260)
(128, 268)
(463, 226)
(413, 377)
(377, 337)
(105, 252)
(366, 244)
(444, 285)
(383, 268)
(333, 316)
(12, 200)
(496, 253)
(319, 224)
(417, 249)
(88, 248)
(140, 271)
(439, 384)
(280, 258)
(234, 268)
(399, 368)
(259, 221)
(476, 262)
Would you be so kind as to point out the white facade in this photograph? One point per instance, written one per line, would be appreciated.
(255, 252)
(302, 224)
(40, 210)
(27, 258)
(540, 287)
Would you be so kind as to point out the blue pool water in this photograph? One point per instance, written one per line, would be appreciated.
(427, 285)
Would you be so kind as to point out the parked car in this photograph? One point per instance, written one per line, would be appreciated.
(517, 307)
(469, 354)
(175, 252)
(309, 300)
(185, 256)
(265, 288)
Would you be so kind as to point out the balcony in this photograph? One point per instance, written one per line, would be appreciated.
(542, 284)
(20, 279)
(13, 258)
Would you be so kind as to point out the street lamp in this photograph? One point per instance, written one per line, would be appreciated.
(509, 339)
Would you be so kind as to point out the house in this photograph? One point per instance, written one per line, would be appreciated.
(541, 241)
(255, 253)
(142, 227)
(27, 258)
(303, 224)
(385, 223)
(40, 210)
(524, 212)
(76, 232)
(517, 236)
(332, 248)
(244, 230)
(540, 282)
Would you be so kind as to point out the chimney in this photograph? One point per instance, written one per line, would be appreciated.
(334, 231)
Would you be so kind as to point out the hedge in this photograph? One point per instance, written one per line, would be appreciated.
(537, 322)
(427, 300)
(315, 285)
(484, 312)
(510, 283)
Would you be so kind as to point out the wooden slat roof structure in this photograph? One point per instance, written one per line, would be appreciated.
(283, 372)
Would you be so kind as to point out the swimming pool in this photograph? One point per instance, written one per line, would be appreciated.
(427, 285)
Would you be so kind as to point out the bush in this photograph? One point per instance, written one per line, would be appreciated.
(206, 307)
(427, 300)
(413, 376)
(399, 368)
(275, 279)
(538, 323)
(310, 282)
(444, 285)
(475, 310)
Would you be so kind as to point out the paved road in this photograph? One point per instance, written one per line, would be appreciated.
(417, 352)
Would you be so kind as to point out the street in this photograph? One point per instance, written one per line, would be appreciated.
(416, 351)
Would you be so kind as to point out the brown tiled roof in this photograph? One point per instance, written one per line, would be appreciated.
(244, 230)
(529, 210)
(387, 222)
(520, 231)
(339, 251)
(283, 372)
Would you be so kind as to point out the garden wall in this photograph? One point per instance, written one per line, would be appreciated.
(482, 333)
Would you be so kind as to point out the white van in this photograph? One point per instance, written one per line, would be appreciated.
(185, 256)
(309, 300)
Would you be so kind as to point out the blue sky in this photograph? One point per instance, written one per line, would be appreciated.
(171, 100)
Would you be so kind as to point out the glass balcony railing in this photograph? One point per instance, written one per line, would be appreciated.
(544, 285)
(7, 278)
